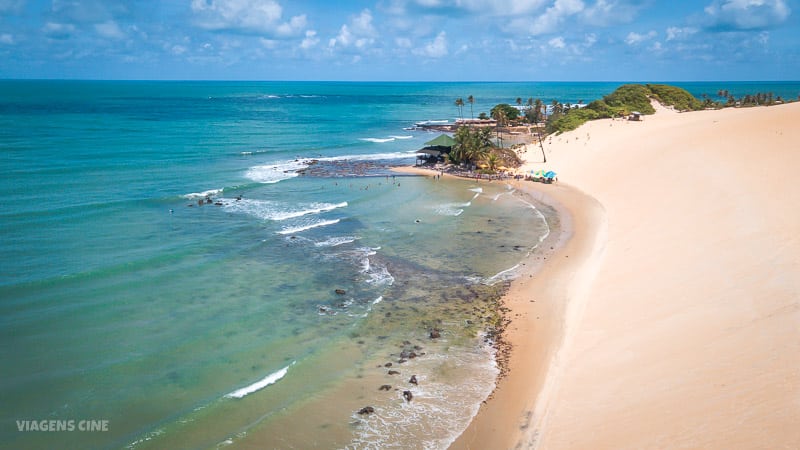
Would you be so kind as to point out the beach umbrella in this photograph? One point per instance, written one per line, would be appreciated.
(539, 173)
(550, 174)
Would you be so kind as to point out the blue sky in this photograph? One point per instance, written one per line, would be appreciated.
(454, 40)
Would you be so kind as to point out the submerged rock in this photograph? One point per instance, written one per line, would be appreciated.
(408, 395)
(394, 372)
(385, 387)
(435, 333)
(366, 410)
(340, 291)
(413, 379)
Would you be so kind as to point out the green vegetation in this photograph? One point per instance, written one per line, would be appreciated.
(572, 119)
(676, 97)
(631, 97)
(623, 101)
(472, 145)
(504, 111)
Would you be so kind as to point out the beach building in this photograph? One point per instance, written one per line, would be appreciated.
(435, 149)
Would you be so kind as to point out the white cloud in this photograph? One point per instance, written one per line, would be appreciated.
(251, 16)
(55, 30)
(608, 12)
(746, 14)
(11, 6)
(437, 48)
(676, 33)
(109, 30)
(554, 16)
(359, 33)
(636, 38)
(311, 40)
(7, 39)
(484, 7)
(557, 42)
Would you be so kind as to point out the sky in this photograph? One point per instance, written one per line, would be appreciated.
(402, 40)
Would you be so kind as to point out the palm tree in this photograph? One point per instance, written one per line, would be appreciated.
(500, 117)
(471, 100)
(538, 109)
(492, 161)
(460, 105)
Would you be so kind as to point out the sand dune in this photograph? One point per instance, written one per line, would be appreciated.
(679, 316)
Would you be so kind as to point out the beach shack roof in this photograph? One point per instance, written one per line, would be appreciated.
(441, 141)
(430, 151)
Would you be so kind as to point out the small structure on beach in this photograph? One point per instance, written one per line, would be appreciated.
(635, 116)
(435, 149)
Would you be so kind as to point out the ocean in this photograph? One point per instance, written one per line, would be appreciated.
(169, 277)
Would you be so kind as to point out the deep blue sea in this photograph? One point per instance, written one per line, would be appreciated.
(126, 298)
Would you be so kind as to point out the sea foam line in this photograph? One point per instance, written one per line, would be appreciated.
(500, 276)
(541, 216)
(260, 384)
(308, 227)
(204, 194)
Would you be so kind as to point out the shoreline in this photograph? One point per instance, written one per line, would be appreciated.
(674, 306)
(537, 306)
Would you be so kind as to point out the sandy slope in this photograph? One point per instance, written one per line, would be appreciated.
(685, 331)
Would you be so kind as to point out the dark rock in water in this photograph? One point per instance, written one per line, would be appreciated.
(435, 333)
(408, 395)
(406, 343)
(387, 365)
(340, 291)
(218, 203)
(366, 410)
(385, 387)
(413, 379)
(394, 372)
(401, 361)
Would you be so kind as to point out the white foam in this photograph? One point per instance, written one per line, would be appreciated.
(477, 189)
(377, 300)
(377, 140)
(273, 173)
(283, 170)
(401, 137)
(260, 384)
(542, 217)
(335, 241)
(298, 229)
(504, 275)
(449, 210)
(278, 211)
(380, 276)
(204, 194)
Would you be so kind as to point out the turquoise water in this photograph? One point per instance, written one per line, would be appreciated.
(185, 325)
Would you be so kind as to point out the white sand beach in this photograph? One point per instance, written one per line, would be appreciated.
(671, 316)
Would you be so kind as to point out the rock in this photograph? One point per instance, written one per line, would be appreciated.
(413, 379)
(340, 291)
(387, 365)
(385, 387)
(394, 372)
(435, 333)
(366, 410)
(408, 395)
